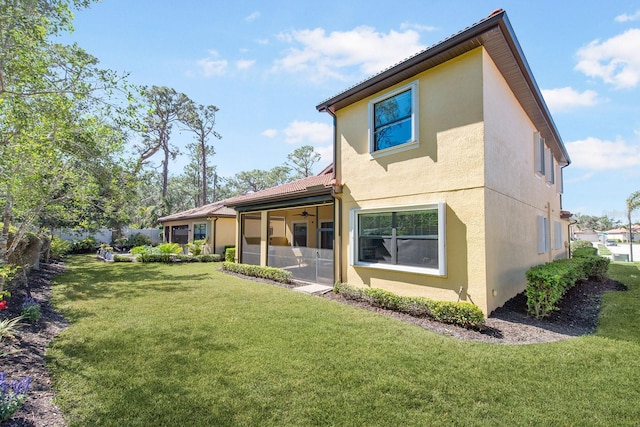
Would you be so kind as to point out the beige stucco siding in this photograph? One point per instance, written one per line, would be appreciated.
(515, 194)
(448, 166)
(225, 231)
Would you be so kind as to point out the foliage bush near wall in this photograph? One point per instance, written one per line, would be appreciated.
(122, 258)
(577, 244)
(59, 247)
(547, 283)
(462, 314)
(270, 273)
(582, 252)
(176, 258)
(84, 246)
(230, 254)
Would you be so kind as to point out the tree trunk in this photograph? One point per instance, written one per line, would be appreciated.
(204, 172)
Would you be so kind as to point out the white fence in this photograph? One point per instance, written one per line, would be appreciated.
(105, 235)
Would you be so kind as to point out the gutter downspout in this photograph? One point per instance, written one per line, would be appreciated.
(213, 243)
(337, 219)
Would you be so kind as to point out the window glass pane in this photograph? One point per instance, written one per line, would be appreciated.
(418, 252)
(375, 224)
(417, 223)
(199, 231)
(392, 121)
(375, 249)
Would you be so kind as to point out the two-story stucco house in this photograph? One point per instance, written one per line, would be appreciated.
(446, 181)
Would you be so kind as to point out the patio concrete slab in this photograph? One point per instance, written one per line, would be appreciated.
(314, 289)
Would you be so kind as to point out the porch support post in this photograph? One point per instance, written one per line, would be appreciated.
(264, 237)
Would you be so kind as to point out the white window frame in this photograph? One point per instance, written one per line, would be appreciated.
(206, 230)
(414, 141)
(441, 270)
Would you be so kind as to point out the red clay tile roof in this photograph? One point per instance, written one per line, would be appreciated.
(212, 209)
(320, 183)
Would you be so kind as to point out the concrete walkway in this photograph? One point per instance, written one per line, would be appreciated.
(314, 289)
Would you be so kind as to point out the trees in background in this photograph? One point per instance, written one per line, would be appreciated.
(61, 124)
(633, 203)
(302, 160)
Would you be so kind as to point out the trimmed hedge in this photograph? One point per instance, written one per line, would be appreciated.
(547, 283)
(583, 252)
(462, 314)
(175, 258)
(271, 273)
(122, 258)
(230, 254)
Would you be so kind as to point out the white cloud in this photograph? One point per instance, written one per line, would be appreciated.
(243, 64)
(269, 133)
(616, 60)
(417, 27)
(326, 154)
(339, 53)
(250, 18)
(211, 65)
(625, 17)
(597, 154)
(567, 98)
(308, 132)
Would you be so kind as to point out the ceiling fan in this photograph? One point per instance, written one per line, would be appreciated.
(304, 214)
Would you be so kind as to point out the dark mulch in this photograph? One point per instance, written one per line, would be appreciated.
(509, 324)
(27, 352)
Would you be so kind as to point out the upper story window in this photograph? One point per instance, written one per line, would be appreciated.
(393, 122)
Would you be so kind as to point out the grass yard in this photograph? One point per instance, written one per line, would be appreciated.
(186, 345)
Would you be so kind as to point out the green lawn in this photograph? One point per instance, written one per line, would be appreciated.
(186, 345)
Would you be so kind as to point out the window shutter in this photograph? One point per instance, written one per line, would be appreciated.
(541, 236)
(557, 235)
(538, 148)
(559, 183)
(549, 167)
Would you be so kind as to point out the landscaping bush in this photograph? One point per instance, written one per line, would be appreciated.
(139, 250)
(146, 257)
(547, 283)
(85, 246)
(138, 239)
(462, 314)
(12, 395)
(209, 258)
(30, 309)
(122, 258)
(577, 244)
(271, 273)
(582, 252)
(169, 248)
(58, 248)
(230, 254)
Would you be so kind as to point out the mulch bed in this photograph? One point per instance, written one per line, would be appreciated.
(509, 324)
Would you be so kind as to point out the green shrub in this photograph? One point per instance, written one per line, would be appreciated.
(577, 244)
(30, 309)
(59, 248)
(87, 245)
(138, 239)
(139, 250)
(462, 314)
(122, 258)
(210, 258)
(169, 248)
(230, 254)
(548, 283)
(166, 258)
(271, 273)
(582, 252)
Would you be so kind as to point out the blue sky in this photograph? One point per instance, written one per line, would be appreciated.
(266, 65)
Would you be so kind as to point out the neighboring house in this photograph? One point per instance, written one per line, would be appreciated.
(622, 234)
(446, 181)
(214, 223)
(587, 234)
